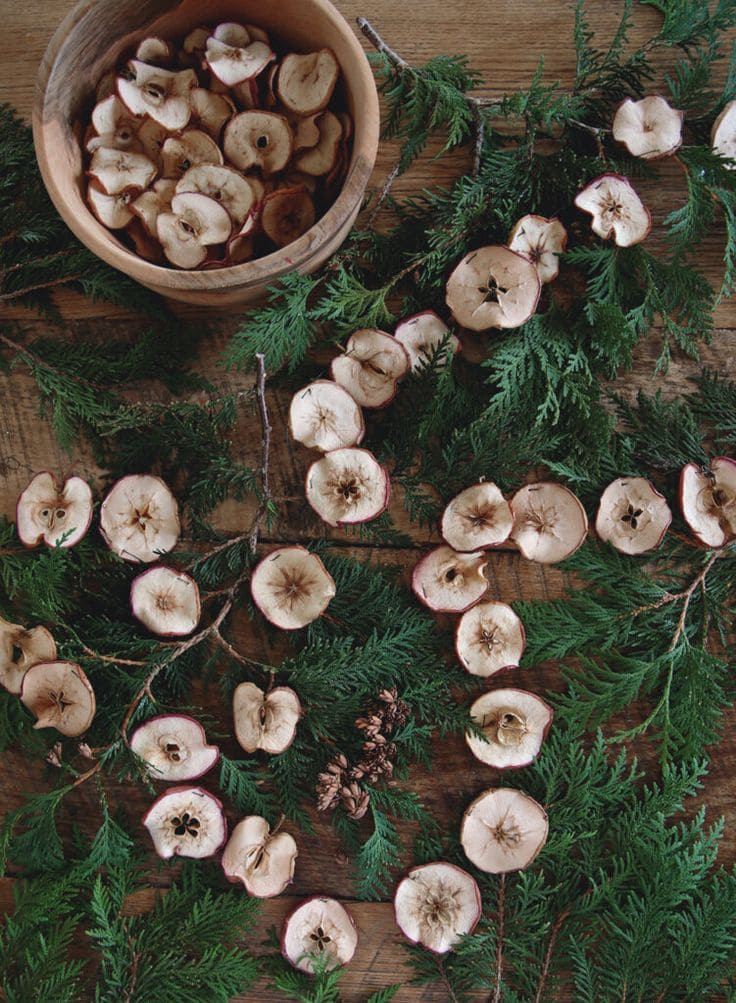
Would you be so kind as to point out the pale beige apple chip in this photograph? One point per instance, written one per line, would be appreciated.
(210, 111)
(152, 137)
(232, 33)
(422, 335)
(514, 724)
(265, 722)
(436, 904)
(139, 518)
(477, 518)
(186, 822)
(319, 933)
(348, 486)
(616, 209)
(258, 139)
(161, 94)
(263, 860)
(286, 215)
(320, 159)
(549, 522)
(116, 128)
(503, 830)
(195, 223)
(493, 287)
(191, 148)
(306, 132)
(166, 601)
(650, 128)
(708, 500)
(113, 211)
(306, 82)
(20, 648)
(155, 50)
(632, 516)
(324, 416)
(291, 587)
(723, 134)
(60, 696)
(151, 203)
(174, 747)
(116, 171)
(489, 638)
(223, 184)
(232, 64)
(370, 367)
(58, 515)
(449, 582)
(542, 241)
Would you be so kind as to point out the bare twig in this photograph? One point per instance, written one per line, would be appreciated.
(496, 998)
(5, 297)
(384, 193)
(480, 130)
(111, 659)
(451, 995)
(378, 43)
(554, 933)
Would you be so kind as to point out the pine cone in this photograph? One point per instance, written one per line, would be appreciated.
(355, 799)
(330, 782)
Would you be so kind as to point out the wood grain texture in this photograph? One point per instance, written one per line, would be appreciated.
(504, 39)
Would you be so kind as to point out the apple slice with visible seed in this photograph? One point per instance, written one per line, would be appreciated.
(324, 416)
(306, 82)
(58, 515)
(549, 522)
(166, 601)
(265, 721)
(542, 241)
(258, 139)
(192, 148)
(161, 94)
(233, 64)
(450, 582)
(723, 134)
(477, 518)
(195, 223)
(708, 500)
(151, 203)
(60, 696)
(370, 367)
(436, 904)
(20, 648)
(286, 215)
(503, 830)
(291, 587)
(139, 518)
(174, 747)
(514, 724)
(115, 127)
(493, 287)
(489, 638)
(223, 184)
(320, 159)
(117, 171)
(348, 486)
(186, 822)
(319, 933)
(632, 515)
(616, 209)
(422, 335)
(113, 211)
(263, 860)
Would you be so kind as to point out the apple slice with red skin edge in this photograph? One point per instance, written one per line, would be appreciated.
(152, 137)
(708, 501)
(117, 171)
(240, 248)
(113, 211)
(210, 111)
(149, 205)
(436, 904)
(515, 724)
(477, 518)
(450, 582)
(616, 210)
(421, 335)
(265, 722)
(269, 97)
(247, 94)
(234, 64)
(59, 696)
(156, 51)
(263, 860)
(291, 587)
(186, 822)
(550, 523)
(348, 486)
(320, 159)
(58, 515)
(306, 82)
(286, 215)
(632, 515)
(192, 148)
(503, 830)
(174, 747)
(370, 367)
(493, 287)
(161, 94)
(139, 518)
(224, 184)
(489, 638)
(165, 601)
(541, 241)
(143, 243)
(195, 223)
(20, 648)
(114, 126)
(258, 139)
(319, 930)
(649, 128)
(324, 416)
(723, 134)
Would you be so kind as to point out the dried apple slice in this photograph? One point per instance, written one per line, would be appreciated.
(144, 243)
(20, 648)
(348, 486)
(514, 724)
(60, 696)
(116, 171)
(291, 587)
(489, 638)
(152, 137)
(195, 42)
(549, 522)
(306, 82)
(174, 747)
(436, 904)
(223, 184)
(370, 367)
(503, 830)
(57, 515)
(632, 516)
(723, 134)
(151, 203)
(186, 822)
(113, 211)
(232, 64)
(210, 111)
(265, 722)
(616, 209)
(166, 601)
(478, 517)
(161, 94)
(541, 241)
(192, 148)
(324, 416)
(449, 582)
(650, 128)
(422, 335)
(287, 215)
(319, 932)
(708, 500)
(306, 132)
(263, 860)
(139, 518)
(156, 51)
(258, 139)
(493, 287)
(116, 128)
(195, 223)
(320, 159)
(232, 33)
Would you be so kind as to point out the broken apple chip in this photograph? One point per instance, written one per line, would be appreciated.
(161, 94)
(150, 204)
(60, 696)
(708, 500)
(57, 515)
(232, 64)
(649, 128)
(258, 139)
(321, 158)
(450, 582)
(423, 336)
(513, 723)
(503, 830)
(489, 638)
(493, 287)
(165, 601)
(139, 518)
(616, 209)
(291, 587)
(20, 648)
(477, 518)
(549, 522)
(541, 241)
(174, 747)
(113, 211)
(223, 184)
(348, 486)
(263, 860)
(306, 82)
(195, 223)
(632, 515)
(286, 215)
(118, 171)
(723, 134)
(186, 822)
(191, 148)
(436, 904)
(319, 934)
(265, 722)
(324, 416)
(370, 367)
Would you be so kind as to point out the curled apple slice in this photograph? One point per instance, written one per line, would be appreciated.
(195, 223)
(113, 211)
(116, 171)
(286, 215)
(263, 860)
(708, 500)
(258, 139)
(370, 367)
(348, 486)
(60, 696)
(549, 522)
(616, 209)
(321, 158)
(478, 517)
(210, 111)
(151, 203)
(223, 184)
(174, 747)
(436, 904)
(115, 127)
(324, 416)
(232, 64)
(422, 335)
(161, 94)
(489, 638)
(155, 50)
(265, 722)
(291, 587)
(449, 582)
(541, 241)
(632, 516)
(503, 830)
(514, 724)
(58, 515)
(192, 148)
(493, 287)
(20, 648)
(306, 82)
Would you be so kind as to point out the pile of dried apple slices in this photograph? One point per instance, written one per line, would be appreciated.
(216, 151)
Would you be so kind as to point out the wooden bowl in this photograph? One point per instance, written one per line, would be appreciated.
(91, 41)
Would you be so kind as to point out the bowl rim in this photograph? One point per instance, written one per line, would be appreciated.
(293, 257)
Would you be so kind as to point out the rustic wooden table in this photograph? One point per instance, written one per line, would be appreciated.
(504, 39)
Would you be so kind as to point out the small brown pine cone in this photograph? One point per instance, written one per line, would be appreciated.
(356, 800)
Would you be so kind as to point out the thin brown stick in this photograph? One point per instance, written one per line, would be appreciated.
(496, 998)
(239, 656)
(265, 452)
(480, 131)
(554, 933)
(6, 297)
(378, 43)
(444, 979)
(111, 659)
(686, 595)
(384, 193)
(45, 259)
